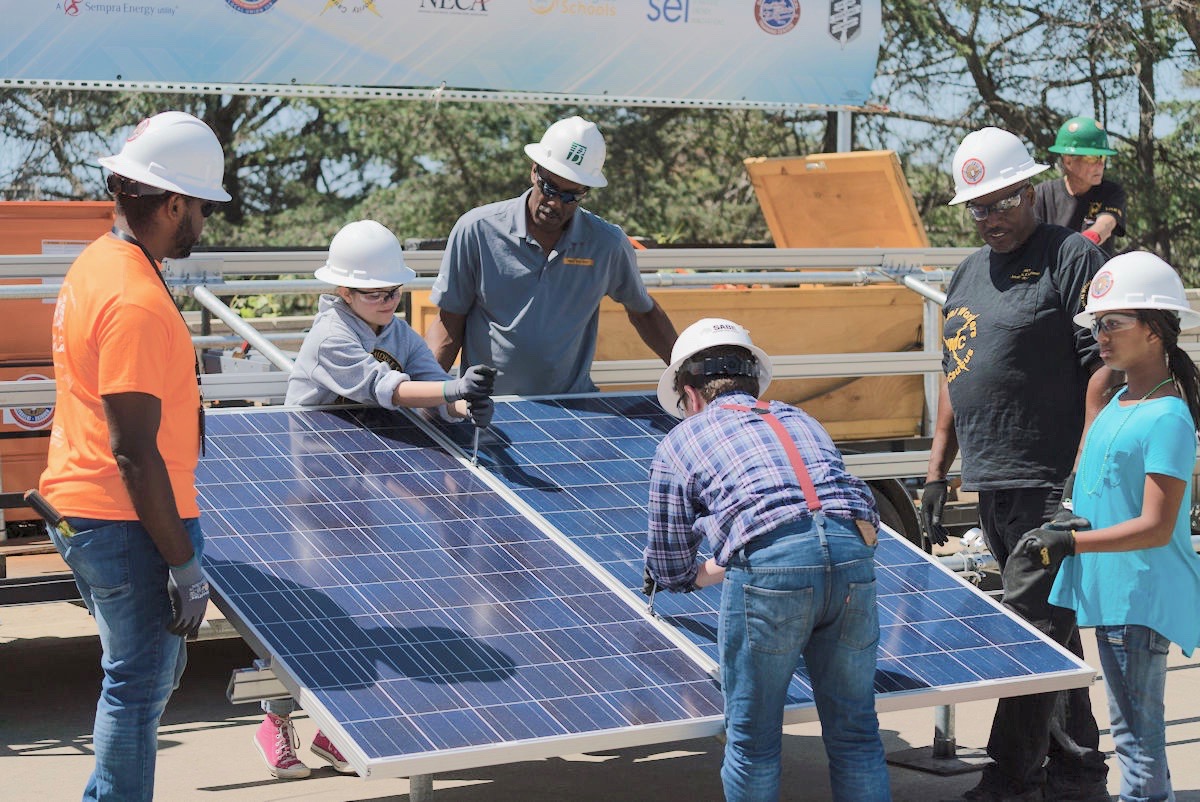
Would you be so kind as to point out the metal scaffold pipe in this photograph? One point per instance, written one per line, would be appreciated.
(234, 321)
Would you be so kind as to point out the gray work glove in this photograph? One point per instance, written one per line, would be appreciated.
(188, 591)
(933, 501)
(476, 382)
(481, 410)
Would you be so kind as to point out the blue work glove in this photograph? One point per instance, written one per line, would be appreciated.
(933, 501)
(481, 410)
(477, 381)
(188, 591)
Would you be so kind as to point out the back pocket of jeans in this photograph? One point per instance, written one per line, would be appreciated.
(777, 620)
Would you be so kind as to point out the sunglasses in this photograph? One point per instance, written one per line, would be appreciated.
(120, 185)
(1118, 321)
(376, 296)
(1092, 159)
(981, 213)
(551, 192)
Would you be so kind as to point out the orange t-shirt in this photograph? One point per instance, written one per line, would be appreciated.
(116, 330)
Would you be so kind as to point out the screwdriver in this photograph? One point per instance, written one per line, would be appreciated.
(49, 514)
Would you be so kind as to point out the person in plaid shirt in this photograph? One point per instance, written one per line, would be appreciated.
(793, 537)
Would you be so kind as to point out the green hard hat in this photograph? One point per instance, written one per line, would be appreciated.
(1082, 136)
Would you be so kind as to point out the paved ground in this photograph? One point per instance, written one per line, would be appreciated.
(49, 662)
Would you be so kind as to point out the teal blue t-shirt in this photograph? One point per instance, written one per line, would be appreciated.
(1159, 587)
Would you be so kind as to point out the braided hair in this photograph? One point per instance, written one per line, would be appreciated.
(1165, 324)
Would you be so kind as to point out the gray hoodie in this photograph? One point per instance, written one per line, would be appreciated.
(343, 358)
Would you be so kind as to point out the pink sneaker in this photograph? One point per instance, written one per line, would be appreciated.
(324, 748)
(276, 740)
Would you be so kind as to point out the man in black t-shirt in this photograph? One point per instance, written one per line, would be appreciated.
(1018, 372)
(1083, 199)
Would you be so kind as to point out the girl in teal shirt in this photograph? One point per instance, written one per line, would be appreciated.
(1133, 575)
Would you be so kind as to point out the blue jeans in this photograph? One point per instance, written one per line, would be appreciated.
(123, 581)
(807, 591)
(1134, 661)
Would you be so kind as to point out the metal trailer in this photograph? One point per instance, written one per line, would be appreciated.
(893, 467)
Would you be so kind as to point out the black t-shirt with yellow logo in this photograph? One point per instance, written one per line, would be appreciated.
(1053, 204)
(1016, 363)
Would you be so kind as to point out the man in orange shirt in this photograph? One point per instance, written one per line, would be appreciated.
(128, 430)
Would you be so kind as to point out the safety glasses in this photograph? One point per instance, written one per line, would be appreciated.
(376, 296)
(981, 213)
(1114, 322)
(1092, 159)
(551, 191)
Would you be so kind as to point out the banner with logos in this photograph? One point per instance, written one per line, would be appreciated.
(699, 51)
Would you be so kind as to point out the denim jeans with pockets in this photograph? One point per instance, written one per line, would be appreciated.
(808, 591)
(123, 581)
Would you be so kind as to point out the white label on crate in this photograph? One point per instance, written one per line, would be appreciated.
(30, 418)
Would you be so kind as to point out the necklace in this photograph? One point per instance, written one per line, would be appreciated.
(1094, 489)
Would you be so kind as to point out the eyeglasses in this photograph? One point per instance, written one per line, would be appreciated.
(981, 213)
(1092, 159)
(551, 191)
(207, 208)
(1117, 321)
(376, 296)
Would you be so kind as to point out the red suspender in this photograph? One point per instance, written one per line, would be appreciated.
(763, 409)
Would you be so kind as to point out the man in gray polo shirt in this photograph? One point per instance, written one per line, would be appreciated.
(521, 280)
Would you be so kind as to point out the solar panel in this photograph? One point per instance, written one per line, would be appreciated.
(582, 463)
(422, 620)
(432, 616)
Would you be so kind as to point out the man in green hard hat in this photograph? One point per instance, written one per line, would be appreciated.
(1083, 200)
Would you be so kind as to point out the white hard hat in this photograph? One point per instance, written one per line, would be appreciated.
(573, 149)
(365, 255)
(1137, 280)
(989, 160)
(703, 334)
(176, 152)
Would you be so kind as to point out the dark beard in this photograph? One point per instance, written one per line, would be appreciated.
(183, 241)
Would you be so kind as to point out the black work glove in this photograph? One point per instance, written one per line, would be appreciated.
(477, 381)
(188, 591)
(933, 501)
(649, 586)
(1049, 545)
(481, 411)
